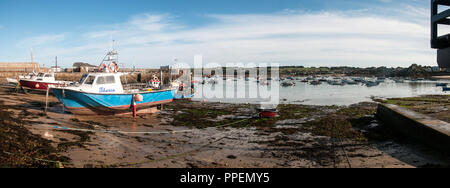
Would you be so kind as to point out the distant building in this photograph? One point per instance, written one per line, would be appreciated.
(56, 69)
(84, 67)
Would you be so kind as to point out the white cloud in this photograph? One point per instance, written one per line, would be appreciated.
(41, 40)
(314, 39)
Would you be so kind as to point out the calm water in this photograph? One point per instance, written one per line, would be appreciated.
(241, 91)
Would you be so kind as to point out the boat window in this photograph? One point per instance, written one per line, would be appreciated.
(89, 80)
(48, 75)
(83, 78)
(40, 75)
(110, 80)
(105, 80)
(101, 80)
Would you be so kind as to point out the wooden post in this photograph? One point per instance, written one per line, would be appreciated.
(24, 91)
(46, 99)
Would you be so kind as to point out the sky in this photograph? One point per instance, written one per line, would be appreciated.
(152, 33)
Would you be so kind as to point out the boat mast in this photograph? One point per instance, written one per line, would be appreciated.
(31, 53)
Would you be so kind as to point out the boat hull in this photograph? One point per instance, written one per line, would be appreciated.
(268, 114)
(82, 103)
(36, 85)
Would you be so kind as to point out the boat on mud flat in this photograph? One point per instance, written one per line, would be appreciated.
(155, 83)
(13, 81)
(267, 111)
(104, 94)
(42, 81)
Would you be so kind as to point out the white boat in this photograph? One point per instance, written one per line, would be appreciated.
(42, 81)
(16, 80)
(12, 81)
(287, 84)
(154, 83)
(349, 82)
(336, 82)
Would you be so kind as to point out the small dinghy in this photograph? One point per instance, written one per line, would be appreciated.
(267, 111)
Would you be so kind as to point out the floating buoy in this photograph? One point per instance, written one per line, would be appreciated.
(37, 85)
(138, 98)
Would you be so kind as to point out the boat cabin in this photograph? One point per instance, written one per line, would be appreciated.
(43, 77)
(101, 83)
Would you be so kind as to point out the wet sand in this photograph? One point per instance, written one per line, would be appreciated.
(220, 135)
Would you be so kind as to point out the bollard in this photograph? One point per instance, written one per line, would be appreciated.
(46, 100)
(133, 103)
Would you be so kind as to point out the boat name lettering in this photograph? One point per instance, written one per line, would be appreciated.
(104, 90)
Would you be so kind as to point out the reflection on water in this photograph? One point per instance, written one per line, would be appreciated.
(241, 91)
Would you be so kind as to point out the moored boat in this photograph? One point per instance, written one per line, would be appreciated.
(41, 81)
(104, 94)
(287, 84)
(267, 111)
(441, 84)
(12, 81)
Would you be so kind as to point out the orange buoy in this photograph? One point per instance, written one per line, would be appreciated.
(138, 98)
(37, 86)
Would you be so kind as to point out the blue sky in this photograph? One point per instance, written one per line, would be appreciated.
(150, 33)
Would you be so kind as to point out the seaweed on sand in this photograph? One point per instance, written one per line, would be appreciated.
(22, 149)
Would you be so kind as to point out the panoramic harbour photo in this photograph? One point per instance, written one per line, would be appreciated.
(224, 84)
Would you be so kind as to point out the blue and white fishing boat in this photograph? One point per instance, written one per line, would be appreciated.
(104, 94)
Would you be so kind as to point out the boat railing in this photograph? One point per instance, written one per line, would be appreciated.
(135, 86)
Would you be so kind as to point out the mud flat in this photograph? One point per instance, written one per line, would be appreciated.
(200, 135)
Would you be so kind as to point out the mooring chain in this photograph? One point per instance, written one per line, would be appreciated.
(341, 144)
